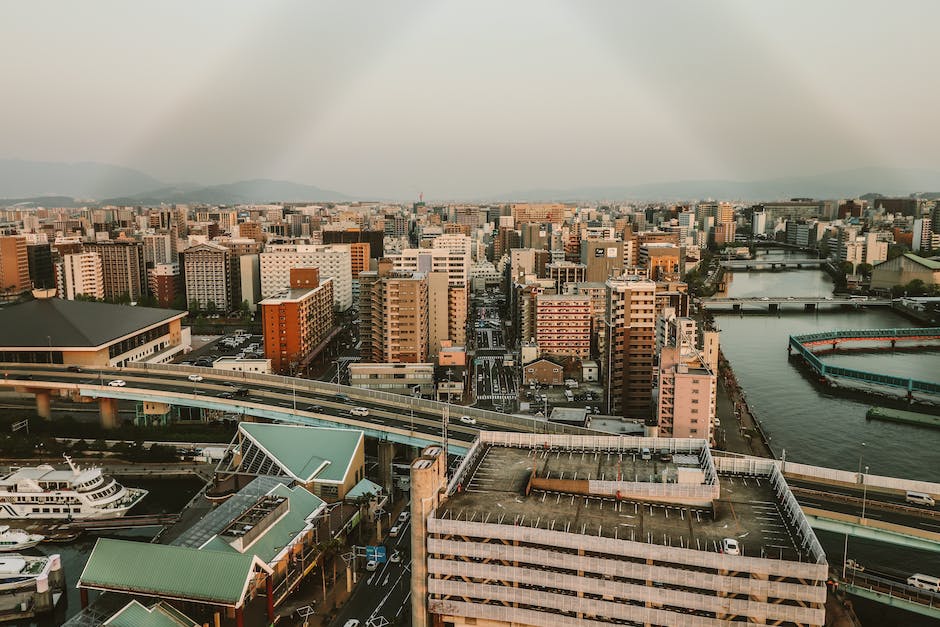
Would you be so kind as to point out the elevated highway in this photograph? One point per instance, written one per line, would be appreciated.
(391, 417)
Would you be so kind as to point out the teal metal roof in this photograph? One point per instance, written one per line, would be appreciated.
(364, 487)
(306, 453)
(303, 504)
(171, 572)
(927, 262)
(159, 615)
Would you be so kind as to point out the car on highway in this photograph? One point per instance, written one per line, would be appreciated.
(359, 411)
(395, 558)
(352, 622)
(371, 565)
(342, 398)
(393, 532)
(730, 546)
(468, 420)
(313, 408)
(117, 383)
(74, 369)
(196, 378)
(403, 517)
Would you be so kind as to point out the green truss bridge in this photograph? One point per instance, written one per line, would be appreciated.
(802, 346)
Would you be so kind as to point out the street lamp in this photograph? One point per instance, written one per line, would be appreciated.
(864, 492)
(845, 546)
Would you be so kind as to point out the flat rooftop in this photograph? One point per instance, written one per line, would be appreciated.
(493, 491)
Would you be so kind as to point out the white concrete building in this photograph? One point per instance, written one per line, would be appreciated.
(334, 262)
(80, 273)
(456, 263)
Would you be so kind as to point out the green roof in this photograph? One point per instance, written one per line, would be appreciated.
(933, 264)
(302, 505)
(171, 572)
(159, 615)
(364, 487)
(306, 453)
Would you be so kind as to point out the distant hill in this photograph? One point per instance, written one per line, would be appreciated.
(30, 179)
(845, 184)
(253, 191)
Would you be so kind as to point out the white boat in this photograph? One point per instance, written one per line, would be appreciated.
(20, 571)
(17, 539)
(42, 492)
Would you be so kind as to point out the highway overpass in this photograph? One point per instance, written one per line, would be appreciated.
(392, 417)
(796, 303)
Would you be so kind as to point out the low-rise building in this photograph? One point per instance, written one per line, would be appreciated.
(395, 378)
(81, 333)
(904, 269)
(543, 372)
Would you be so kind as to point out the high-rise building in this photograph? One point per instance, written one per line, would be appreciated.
(297, 320)
(547, 213)
(333, 262)
(686, 400)
(14, 265)
(447, 313)
(207, 271)
(41, 265)
(79, 274)
(630, 345)
(455, 262)
(563, 325)
(393, 314)
(922, 240)
(565, 272)
(164, 283)
(603, 259)
(159, 248)
(122, 268)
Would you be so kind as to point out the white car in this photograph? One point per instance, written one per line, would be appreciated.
(359, 411)
(393, 532)
(371, 565)
(117, 383)
(730, 546)
(468, 420)
(403, 517)
(196, 378)
(352, 622)
(395, 557)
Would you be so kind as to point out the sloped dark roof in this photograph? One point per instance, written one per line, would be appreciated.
(73, 323)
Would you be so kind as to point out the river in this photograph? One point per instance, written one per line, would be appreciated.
(819, 427)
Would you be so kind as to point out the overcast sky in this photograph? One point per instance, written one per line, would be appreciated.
(454, 99)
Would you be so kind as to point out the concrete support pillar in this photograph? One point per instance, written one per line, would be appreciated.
(44, 404)
(239, 616)
(83, 595)
(386, 456)
(349, 574)
(108, 410)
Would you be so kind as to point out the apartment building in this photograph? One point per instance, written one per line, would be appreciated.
(207, 271)
(333, 262)
(164, 283)
(542, 213)
(393, 314)
(565, 272)
(513, 551)
(14, 265)
(603, 259)
(455, 263)
(296, 321)
(447, 313)
(629, 345)
(122, 268)
(79, 274)
(563, 325)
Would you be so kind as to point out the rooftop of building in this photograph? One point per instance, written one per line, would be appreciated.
(291, 295)
(46, 323)
(302, 453)
(160, 614)
(748, 508)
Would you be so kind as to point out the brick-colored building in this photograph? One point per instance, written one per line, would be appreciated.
(164, 283)
(296, 321)
(543, 372)
(563, 325)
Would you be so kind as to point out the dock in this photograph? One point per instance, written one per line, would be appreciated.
(906, 417)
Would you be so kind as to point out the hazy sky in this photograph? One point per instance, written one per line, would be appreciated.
(463, 98)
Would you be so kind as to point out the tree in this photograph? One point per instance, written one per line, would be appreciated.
(179, 302)
(211, 307)
(846, 267)
(865, 269)
(244, 309)
(194, 307)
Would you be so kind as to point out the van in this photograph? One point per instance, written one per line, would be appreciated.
(919, 498)
(645, 454)
(924, 582)
(569, 396)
